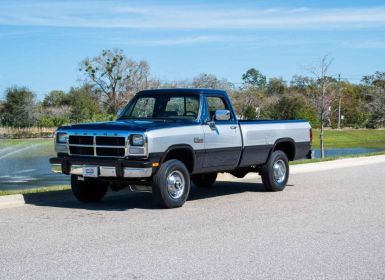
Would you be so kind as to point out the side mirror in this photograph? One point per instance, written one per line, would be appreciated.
(222, 115)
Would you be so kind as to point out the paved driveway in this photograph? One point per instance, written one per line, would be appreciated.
(329, 223)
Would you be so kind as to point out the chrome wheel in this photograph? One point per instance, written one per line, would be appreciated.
(175, 184)
(279, 171)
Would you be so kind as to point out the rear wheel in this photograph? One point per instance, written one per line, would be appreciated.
(88, 191)
(275, 173)
(171, 184)
(204, 180)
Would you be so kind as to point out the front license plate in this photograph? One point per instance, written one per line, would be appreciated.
(90, 171)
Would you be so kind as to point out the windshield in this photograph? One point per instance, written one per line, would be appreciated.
(163, 106)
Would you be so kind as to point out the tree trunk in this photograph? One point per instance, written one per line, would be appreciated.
(321, 138)
(339, 112)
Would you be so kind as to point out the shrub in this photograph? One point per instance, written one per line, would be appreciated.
(291, 107)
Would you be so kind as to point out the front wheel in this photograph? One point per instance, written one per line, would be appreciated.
(171, 184)
(88, 191)
(275, 172)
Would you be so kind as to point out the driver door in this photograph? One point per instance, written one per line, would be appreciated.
(223, 142)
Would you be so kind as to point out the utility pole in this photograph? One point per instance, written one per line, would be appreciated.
(339, 102)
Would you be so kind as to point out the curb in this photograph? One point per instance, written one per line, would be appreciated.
(11, 200)
(14, 200)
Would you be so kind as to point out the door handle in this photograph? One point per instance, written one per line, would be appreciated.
(233, 127)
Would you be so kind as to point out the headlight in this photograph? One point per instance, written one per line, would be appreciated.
(61, 137)
(137, 140)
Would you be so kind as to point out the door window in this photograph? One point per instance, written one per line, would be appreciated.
(215, 103)
(182, 107)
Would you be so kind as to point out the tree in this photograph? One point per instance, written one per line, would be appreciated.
(353, 104)
(211, 81)
(291, 107)
(321, 96)
(375, 90)
(250, 113)
(55, 109)
(18, 108)
(175, 84)
(302, 84)
(84, 103)
(55, 98)
(276, 86)
(254, 78)
(251, 95)
(116, 77)
(2, 121)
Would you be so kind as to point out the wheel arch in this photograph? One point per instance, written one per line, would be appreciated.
(287, 145)
(183, 152)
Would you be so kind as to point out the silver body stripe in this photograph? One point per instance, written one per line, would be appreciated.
(268, 133)
(159, 140)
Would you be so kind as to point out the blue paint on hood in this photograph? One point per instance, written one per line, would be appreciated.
(129, 125)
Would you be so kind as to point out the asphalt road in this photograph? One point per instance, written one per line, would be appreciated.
(327, 224)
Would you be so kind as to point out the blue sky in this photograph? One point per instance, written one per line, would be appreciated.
(42, 42)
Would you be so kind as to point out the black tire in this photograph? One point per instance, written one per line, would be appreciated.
(88, 191)
(204, 180)
(277, 160)
(165, 193)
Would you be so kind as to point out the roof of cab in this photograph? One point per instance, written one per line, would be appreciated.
(182, 90)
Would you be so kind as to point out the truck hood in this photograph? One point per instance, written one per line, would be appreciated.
(127, 125)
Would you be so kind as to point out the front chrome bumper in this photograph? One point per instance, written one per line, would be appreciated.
(106, 167)
(107, 171)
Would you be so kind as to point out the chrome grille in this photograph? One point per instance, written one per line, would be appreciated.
(81, 140)
(110, 141)
(110, 152)
(84, 151)
(103, 146)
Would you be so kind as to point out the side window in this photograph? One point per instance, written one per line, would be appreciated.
(185, 107)
(174, 107)
(215, 103)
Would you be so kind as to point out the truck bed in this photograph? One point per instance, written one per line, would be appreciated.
(259, 136)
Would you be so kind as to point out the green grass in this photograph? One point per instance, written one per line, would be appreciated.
(34, 147)
(15, 142)
(351, 138)
(36, 190)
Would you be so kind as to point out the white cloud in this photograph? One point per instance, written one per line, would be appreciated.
(186, 17)
(231, 41)
(168, 41)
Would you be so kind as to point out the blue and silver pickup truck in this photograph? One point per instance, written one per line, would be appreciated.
(166, 138)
